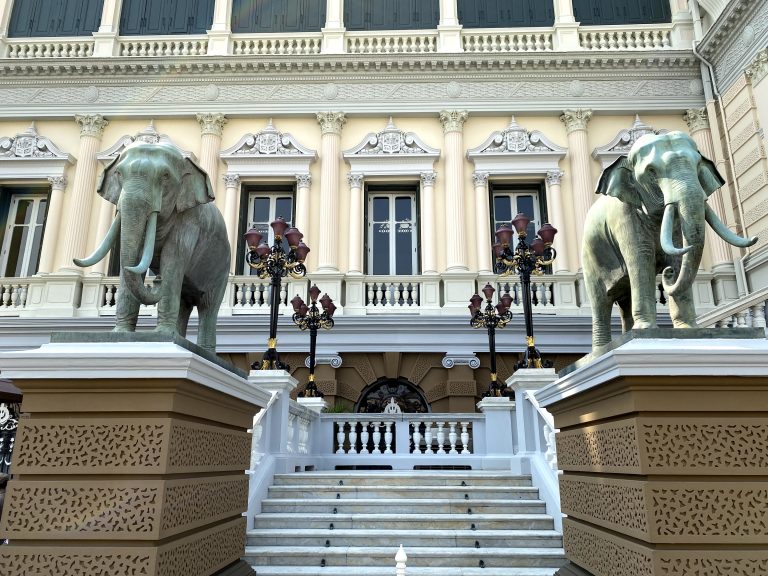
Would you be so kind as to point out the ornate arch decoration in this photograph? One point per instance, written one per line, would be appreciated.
(268, 152)
(391, 152)
(409, 397)
(514, 151)
(29, 156)
(148, 135)
(622, 142)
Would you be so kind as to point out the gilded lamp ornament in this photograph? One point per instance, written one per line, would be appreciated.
(309, 317)
(490, 317)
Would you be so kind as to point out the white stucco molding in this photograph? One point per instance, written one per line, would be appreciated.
(515, 150)
(622, 142)
(268, 152)
(391, 152)
(148, 135)
(29, 156)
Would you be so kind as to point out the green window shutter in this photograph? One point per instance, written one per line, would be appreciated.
(50, 18)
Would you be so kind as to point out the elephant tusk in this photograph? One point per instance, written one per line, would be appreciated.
(103, 248)
(724, 232)
(149, 246)
(667, 225)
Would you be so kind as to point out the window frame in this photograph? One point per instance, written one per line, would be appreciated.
(30, 262)
(394, 190)
(517, 188)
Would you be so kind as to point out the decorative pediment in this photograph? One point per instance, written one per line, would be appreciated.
(29, 155)
(268, 152)
(622, 142)
(148, 135)
(391, 151)
(516, 150)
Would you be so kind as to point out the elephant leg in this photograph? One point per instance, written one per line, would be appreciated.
(170, 301)
(601, 310)
(642, 280)
(185, 310)
(126, 310)
(627, 320)
(681, 309)
(208, 310)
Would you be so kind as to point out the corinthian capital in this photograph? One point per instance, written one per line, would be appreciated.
(331, 122)
(576, 119)
(91, 124)
(303, 180)
(697, 119)
(428, 178)
(554, 176)
(211, 123)
(453, 120)
(57, 182)
(355, 179)
(480, 178)
(231, 180)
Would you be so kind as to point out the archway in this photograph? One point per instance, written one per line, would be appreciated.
(375, 397)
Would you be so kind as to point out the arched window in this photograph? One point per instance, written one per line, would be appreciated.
(375, 397)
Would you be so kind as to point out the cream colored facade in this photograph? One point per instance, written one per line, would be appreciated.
(577, 92)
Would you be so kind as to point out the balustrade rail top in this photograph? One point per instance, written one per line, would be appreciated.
(403, 417)
(727, 310)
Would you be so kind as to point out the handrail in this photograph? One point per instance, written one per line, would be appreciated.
(546, 416)
(727, 310)
(260, 415)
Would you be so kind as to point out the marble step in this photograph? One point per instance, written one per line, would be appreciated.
(404, 506)
(417, 538)
(417, 556)
(461, 521)
(390, 571)
(394, 491)
(403, 478)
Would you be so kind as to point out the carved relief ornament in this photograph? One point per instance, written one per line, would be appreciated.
(453, 120)
(149, 135)
(331, 122)
(758, 69)
(623, 141)
(576, 119)
(211, 123)
(91, 124)
(428, 178)
(697, 119)
(29, 155)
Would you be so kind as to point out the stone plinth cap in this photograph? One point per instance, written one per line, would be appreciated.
(273, 380)
(125, 360)
(663, 357)
(314, 404)
(531, 378)
(495, 403)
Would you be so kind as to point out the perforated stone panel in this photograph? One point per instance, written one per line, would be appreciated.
(603, 555)
(612, 446)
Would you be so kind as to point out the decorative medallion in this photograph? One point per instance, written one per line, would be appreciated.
(453, 89)
(391, 140)
(576, 88)
(211, 92)
(515, 138)
(91, 94)
(331, 91)
(267, 142)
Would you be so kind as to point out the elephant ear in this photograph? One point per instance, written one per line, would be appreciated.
(709, 177)
(195, 186)
(618, 180)
(109, 185)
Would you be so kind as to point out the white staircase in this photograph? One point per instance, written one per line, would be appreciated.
(451, 523)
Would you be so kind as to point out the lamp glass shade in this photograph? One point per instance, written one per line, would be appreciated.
(506, 299)
(538, 246)
(472, 309)
(293, 236)
(497, 249)
(330, 309)
(278, 226)
(476, 301)
(521, 223)
(504, 234)
(301, 251)
(500, 308)
(325, 301)
(296, 302)
(547, 233)
(488, 291)
(263, 249)
(303, 310)
(314, 293)
(252, 238)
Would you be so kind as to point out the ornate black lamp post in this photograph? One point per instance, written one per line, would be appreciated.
(490, 317)
(525, 259)
(310, 318)
(272, 262)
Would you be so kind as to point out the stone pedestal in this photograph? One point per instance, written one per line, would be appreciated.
(130, 460)
(498, 425)
(664, 448)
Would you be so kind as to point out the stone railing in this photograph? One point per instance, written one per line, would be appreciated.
(48, 48)
(277, 44)
(409, 42)
(641, 37)
(495, 40)
(749, 312)
(13, 295)
(108, 298)
(163, 46)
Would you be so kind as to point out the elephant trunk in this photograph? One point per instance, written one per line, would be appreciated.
(103, 248)
(133, 276)
(688, 209)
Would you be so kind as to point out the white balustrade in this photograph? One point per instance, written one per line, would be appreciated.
(542, 292)
(495, 41)
(13, 295)
(164, 46)
(49, 48)
(108, 297)
(748, 312)
(385, 293)
(429, 436)
(277, 45)
(624, 38)
(391, 42)
(250, 294)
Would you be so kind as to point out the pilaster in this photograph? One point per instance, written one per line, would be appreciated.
(483, 236)
(555, 205)
(681, 37)
(231, 194)
(303, 184)
(220, 34)
(105, 39)
(456, 246)
(52, 224)
(448, 28)
(5, 19)
(331, 124)
(356, 243)
(581, 178)
(428, 223)
(333, 31)
(566, 37)
(211, 127)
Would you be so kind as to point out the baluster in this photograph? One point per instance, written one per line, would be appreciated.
(392, 294)
(758, 315)
(452, 437)
(428, 438)
(6, 296)
(415, 295)
(741, 319)
(440, 438)
(14, 295)
(353, 438)
(376, 437)
(416, 438)
(340, 437)
(283, 293)
(388, 437)
(23, 296)
(248, 301)
(464, 437)
(542, 287)
(364, 438)
(370, 294)
(291, 431)
(379, 287)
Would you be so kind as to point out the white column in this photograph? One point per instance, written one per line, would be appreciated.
(428, 224)
(557, 219)
(303, 182)
(355, 265)
(231, 192)
(698, 125)
(566, 36)
(482, 223)
(211, 127)
(106, 216)
(5, 20)
(682, 24)
(83, 190)
(331, 124)
(220, 34)
(52, 224)
(105, 39)
(449, 28)
(333, 32)
(564, 11)
(456, 245)
(581, 178)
